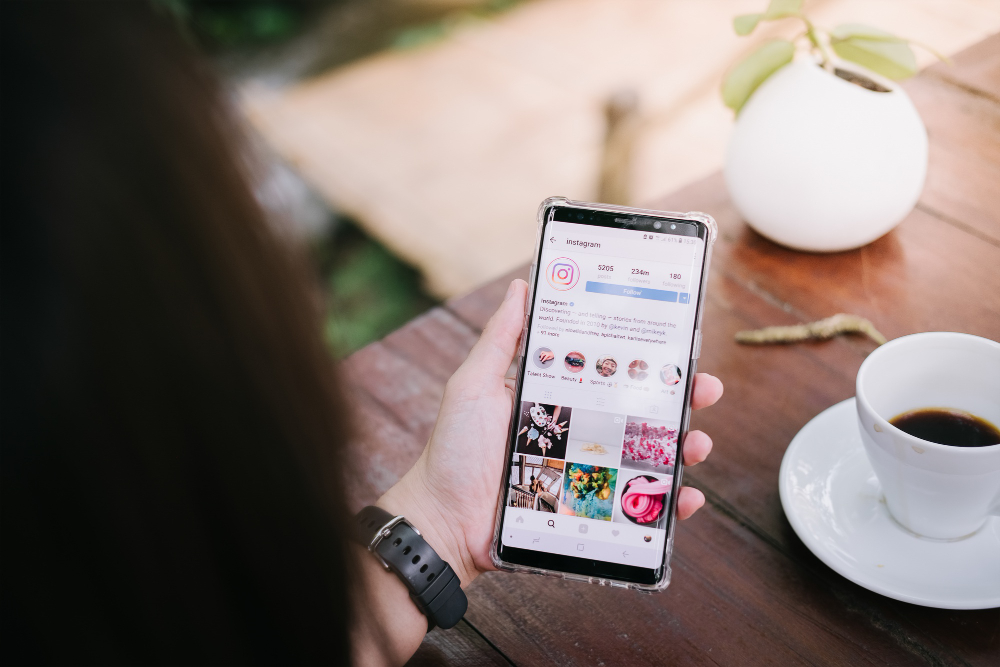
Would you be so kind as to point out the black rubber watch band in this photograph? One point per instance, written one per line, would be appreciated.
(434, 586)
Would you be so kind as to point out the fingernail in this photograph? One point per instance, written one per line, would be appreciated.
(510, 291)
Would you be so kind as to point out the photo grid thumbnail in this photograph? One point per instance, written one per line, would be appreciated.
(650, 444)
(588, 491)
(535, 483)
(642, 499)
(596, 438)
(543, 430)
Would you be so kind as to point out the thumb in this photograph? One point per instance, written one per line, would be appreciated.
(491, 356)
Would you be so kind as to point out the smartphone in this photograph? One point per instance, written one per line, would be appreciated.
(608, 355)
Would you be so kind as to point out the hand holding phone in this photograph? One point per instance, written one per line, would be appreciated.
(451, 491)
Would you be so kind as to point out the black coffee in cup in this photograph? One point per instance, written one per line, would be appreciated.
(944, 426)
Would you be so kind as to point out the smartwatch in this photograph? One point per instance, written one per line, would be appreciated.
(434, 587)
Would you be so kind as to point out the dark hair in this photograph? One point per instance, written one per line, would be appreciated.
(171, 489)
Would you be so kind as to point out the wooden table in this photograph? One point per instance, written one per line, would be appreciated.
(745, 590)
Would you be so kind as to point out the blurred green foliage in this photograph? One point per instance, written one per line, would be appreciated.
(222, 24)
(427, 32)
(368, 291)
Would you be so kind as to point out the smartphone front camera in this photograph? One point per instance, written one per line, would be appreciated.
(657, 225)
(673, 226)
(579, 216)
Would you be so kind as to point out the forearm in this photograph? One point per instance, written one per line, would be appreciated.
(389, 627)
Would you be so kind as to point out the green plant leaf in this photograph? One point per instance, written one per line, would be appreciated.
(862, 31)
(782, 8)
(744, 25)
(747, 75)
(777, 9)
(877, 50)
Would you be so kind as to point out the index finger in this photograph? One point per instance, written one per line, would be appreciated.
(707, 390)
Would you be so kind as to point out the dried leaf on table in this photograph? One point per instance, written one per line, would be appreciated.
(821, 330)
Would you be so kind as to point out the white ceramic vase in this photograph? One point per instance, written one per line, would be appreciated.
(821, 164)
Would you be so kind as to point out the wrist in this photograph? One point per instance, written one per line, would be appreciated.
(412, 498)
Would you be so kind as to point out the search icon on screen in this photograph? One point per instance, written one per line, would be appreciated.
(552, 524)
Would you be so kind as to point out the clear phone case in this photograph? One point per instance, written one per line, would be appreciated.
(543, 212)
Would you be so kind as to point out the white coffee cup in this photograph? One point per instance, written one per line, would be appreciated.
(933, 490)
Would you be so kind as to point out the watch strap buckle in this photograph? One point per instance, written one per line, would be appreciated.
(384, 532)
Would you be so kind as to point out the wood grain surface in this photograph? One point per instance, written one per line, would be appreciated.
(745, 590)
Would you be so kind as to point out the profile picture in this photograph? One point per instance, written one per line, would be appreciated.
(543, 357)
(543, 430)
(638, 370)
(606, 366)
(575, 361)
(562, 274)
(670, 374)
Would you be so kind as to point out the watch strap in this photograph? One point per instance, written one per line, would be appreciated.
(434, 587)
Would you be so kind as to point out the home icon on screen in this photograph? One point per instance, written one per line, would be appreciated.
(519, 519)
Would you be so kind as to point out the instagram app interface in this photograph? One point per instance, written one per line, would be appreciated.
(603, 393)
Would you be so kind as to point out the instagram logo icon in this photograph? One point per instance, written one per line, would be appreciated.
(562, 273)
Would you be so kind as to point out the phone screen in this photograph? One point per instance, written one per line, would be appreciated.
(604, 385)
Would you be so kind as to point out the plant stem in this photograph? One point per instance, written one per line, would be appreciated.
(815, 41)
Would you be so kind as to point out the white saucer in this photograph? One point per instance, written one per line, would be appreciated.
(832, 499)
